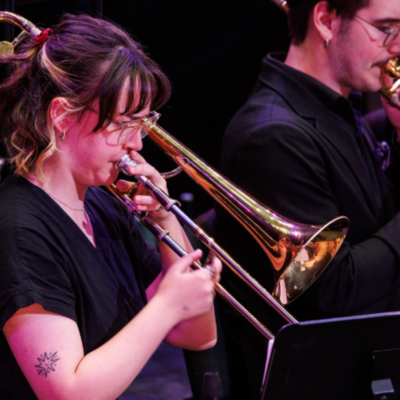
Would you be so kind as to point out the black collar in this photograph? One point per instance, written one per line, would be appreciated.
(297, 81)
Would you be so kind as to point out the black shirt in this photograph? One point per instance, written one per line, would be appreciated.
(293, 146)
(347, 113)
(45, 258)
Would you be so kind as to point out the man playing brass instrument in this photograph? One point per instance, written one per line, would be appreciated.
(299, 146)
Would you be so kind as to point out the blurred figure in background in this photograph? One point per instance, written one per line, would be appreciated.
(300, 147)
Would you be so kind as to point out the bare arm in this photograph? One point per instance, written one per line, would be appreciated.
(49, 349)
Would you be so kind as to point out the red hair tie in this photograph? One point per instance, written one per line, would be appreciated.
(42, 38)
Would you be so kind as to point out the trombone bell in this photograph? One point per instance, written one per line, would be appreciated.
(299, 253)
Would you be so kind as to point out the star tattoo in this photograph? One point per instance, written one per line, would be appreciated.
(47, 363)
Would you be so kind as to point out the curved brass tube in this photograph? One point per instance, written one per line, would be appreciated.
(7, 48)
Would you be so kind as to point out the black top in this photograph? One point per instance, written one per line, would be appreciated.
(288, 149)
(294, 147)
(347, 113)
(45, 258)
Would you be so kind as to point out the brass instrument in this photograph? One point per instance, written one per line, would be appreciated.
(298, 252)
(391, 68)
(296, 267)
(282, 4)
(7, 48)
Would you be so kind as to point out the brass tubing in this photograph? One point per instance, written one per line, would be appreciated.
(7, 48)
(171, 206)
(163, 235)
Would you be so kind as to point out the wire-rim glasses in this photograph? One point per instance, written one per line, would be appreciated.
(391, 33)
(129, 129)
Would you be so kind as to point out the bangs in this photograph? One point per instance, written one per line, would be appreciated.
(151, 86)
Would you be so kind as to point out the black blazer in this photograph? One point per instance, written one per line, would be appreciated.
(287, 149)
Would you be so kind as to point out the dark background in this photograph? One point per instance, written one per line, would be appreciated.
(211, 50)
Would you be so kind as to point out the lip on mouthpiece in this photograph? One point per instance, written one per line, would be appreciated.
(124, 163)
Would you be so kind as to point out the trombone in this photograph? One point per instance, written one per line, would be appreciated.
(312, 247)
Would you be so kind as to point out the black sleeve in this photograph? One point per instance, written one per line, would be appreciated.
(32, 267)
(280, 165)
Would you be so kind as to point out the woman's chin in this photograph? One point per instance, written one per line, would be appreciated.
(105, 179)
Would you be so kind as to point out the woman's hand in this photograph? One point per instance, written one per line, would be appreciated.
(189, 293)
(143, 199)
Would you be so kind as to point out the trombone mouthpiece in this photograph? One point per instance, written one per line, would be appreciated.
(124, 163)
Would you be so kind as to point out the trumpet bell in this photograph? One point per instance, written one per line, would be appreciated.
(392, 69)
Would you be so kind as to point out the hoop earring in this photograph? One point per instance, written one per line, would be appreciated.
(326, 43)
(62, 136)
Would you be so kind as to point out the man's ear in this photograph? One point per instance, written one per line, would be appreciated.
(59, 114)
(325, 21)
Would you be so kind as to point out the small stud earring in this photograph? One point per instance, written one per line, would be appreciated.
(62, 136)
(326, 43)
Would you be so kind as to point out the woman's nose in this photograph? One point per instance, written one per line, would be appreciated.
(134, 142)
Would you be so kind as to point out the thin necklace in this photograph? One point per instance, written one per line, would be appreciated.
(66, 205)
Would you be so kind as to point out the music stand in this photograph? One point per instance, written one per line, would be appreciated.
(336, 359)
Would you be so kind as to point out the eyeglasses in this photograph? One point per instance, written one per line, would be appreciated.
(391, 33)
(129, 129)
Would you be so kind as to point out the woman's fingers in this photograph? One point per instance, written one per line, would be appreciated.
(146, 203)
(214, 267)
(124, 186)
(147, 170)
(135, 156)
(183, 264)
(188, 293)
(143, 199)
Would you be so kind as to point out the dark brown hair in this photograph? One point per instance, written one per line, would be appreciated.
(84, 59)
(300, 11)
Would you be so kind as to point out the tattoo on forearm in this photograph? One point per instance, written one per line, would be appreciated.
(47, 363)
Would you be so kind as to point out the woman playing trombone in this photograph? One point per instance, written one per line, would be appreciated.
(84, 301)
